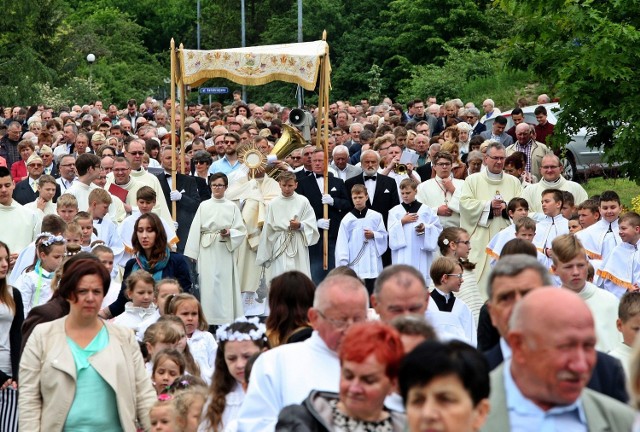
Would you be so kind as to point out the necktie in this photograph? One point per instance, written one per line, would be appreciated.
(319, 175)
(167, 175)
(369, 178)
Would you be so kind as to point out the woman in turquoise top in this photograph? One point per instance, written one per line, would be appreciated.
(80, 373)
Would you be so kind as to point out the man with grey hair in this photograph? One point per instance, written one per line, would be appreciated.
(483, 207)
(552, 178)
(400, 290)
(353, 143)
(544, 99)
(490, 110)
(532, 149)
(542, 386)
(514, 277)
(286, 375)
(67, 143)
(340, 163)
(473, 118)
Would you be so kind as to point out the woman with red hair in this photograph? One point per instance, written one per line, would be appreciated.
(369, 361)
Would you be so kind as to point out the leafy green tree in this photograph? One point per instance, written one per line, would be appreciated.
(590, 51)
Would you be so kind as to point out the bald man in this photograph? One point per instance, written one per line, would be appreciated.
(542, 387)
(533, 150)
(551, 169)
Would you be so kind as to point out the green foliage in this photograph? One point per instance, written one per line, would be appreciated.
(375, 83)
(590, 51)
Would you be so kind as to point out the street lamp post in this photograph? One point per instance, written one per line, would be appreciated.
(91, 58)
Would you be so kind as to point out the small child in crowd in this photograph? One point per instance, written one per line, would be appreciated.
(162, 290)
(628, 324)
(620, 272)
(450, 317)
(43, 205)
(168, 365)
(140, 286)
(67, 207)
(517, 208)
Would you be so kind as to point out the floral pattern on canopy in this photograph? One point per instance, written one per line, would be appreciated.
(296, 63)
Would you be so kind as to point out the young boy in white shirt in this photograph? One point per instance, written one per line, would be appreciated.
(620, 271)
(553, 225)
(362, 239)
(517, 209)
(602, 237)
(628, 323)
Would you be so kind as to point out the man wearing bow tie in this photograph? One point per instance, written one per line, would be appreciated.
(184, 193)
(382, 190)
(337, 199)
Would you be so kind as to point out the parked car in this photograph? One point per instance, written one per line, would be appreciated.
(579, 158)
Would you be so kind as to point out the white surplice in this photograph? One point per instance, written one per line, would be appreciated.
(407, 247)
(351, 242)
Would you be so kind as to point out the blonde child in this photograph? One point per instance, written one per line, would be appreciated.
(188, 408)
(168, 365)
(139, 286)
(628, 323)
(162, 415)
(163, 289)
(159, 336)
(85, 221)
(67, 207)
(105, 255)
(450, 316)
(201, 343)
(105, 229)
(192, 367)
(455, 243)
(239, 341)
(35, 283)
(43, 205)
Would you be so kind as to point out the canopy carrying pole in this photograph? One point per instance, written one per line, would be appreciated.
(174, 209)
(322, 130)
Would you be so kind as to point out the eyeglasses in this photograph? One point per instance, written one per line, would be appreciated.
(467, 242)
(229, 141)
(35, 165)
(138, 153)
(200, 162)
(296, 157)
(68, 165)
(458, 275)
(550, 167)
(218, 186)
(341, 324)
(443, 164)
(497, 158)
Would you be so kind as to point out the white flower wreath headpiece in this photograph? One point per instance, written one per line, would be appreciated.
(259, 333)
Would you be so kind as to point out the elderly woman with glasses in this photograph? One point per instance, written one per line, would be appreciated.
(370, 355)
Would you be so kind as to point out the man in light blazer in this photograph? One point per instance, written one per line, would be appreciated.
(552, 339)
(340, 163)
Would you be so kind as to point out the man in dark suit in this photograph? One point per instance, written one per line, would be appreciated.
(185, 194)
(339, 203)
(306, 170)
(50, 166)
(511, 278)
(382, 190)
(26, 191)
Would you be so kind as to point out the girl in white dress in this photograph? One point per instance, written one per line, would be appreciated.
(238, 342)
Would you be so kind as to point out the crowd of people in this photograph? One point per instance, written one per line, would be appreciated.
(432, 273)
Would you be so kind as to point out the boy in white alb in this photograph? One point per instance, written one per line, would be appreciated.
(620, 271)
(553, 224)
(602, 237)
(362, 239)
(570, 264)
(628, 323)
(413, 231)
(516, 209)
(289, 229)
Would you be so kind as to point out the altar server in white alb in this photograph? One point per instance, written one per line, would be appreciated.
(362, 239)
(442, 192)
(450, 317)
(602, 237)
(215, 235)
(620, 272)
(289, 229)
(517, 209)
(413, 231)
(553, 224)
